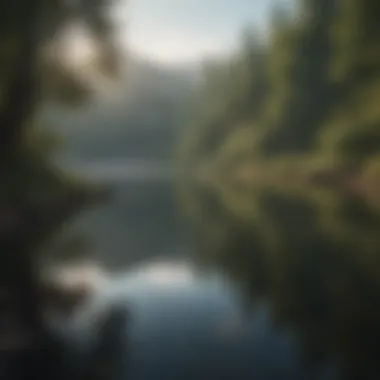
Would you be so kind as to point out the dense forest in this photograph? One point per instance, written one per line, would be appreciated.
(296, 107)
(285, 149)
(300, 103)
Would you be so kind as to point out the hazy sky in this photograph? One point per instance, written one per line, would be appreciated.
(176, 31)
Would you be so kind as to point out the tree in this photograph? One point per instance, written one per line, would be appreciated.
(231, 98)
(35, 198)
(352, 129)
(302, 92)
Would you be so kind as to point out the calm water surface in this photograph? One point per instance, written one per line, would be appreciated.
(253, 284)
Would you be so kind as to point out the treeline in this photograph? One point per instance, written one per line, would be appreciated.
(310, 88)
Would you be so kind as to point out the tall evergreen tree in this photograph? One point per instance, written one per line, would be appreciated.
(35, 199)
(353, 129)
(304, 93)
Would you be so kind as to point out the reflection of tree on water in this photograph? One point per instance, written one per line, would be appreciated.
(317, 265)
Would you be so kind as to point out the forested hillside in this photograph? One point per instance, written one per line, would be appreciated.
(304, 98)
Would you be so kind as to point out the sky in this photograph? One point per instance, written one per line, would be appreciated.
(186, 31)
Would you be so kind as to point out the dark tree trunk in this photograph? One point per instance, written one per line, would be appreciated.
(18, 275)
(21, 93)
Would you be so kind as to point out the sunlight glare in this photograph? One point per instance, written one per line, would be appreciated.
(76, 47)
(168, 275)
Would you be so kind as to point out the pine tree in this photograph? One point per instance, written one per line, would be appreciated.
(353, 129)
(35, 199)
(232, 97)
(302, 93)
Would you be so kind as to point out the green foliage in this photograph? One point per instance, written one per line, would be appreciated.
(317, 127)
(311, 89)
(232, 92)
(36, 198)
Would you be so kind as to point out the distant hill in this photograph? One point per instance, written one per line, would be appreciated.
(142, 121)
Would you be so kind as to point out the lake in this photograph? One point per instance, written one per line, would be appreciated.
(239, 283)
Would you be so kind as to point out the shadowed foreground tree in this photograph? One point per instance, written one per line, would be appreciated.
(35, 197)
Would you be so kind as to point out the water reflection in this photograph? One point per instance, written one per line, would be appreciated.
(187, 324)
(314, 258)
(272, 284)
(139, 222)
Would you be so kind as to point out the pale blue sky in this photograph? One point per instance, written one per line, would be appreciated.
(177, 31)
